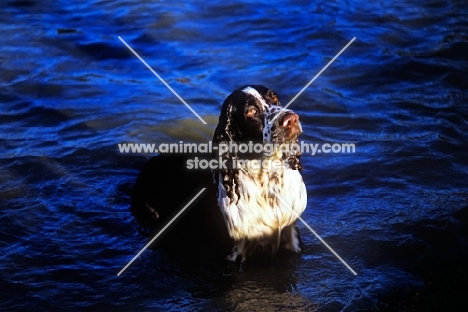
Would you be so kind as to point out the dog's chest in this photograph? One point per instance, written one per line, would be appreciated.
(268, 200)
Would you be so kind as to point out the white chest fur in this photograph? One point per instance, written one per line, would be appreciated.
(268, 201)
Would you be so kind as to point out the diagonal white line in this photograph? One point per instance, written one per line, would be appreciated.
(318, 236)
(313, 79)
(162, 80)
(160, 232)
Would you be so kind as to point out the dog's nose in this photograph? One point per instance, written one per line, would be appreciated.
(290, 120)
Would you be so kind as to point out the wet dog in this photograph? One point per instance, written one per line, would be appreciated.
(252, 198)
(261, 193)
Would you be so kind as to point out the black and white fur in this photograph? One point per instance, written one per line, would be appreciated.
(259, 205)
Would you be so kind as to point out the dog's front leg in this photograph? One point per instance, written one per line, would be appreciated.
(237, 250)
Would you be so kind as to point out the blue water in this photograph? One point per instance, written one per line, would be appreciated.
(71, 91)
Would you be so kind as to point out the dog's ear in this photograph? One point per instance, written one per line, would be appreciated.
(227, 131)
(272, 97)
(295, 162)
(220, 134)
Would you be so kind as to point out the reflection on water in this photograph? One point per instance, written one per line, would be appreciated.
(394, 210)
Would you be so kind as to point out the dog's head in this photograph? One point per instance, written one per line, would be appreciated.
(254, 114)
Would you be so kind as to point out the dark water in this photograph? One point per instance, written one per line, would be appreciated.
(71, 91)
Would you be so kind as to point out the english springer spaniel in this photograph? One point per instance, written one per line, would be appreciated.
(252, 206)
(260, 199)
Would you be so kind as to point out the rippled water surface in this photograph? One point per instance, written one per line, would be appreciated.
(395, 210)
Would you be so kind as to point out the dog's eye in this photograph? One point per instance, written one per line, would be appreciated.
(252, 112)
